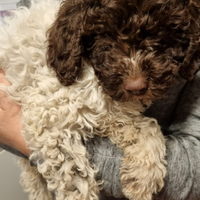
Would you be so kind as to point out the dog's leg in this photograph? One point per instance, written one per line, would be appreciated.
(65, 167)
(143, 165)
(33, 182)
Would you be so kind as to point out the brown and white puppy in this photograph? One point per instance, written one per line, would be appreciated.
(112, 59)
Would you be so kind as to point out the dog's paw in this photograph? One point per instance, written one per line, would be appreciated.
(142, 179)
(141, 184)
(143, 166)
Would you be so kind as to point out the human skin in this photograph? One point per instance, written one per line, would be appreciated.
(10, 126)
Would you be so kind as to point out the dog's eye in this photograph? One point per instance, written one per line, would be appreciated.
(110, 46)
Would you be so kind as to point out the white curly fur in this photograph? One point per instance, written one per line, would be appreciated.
(55, 118)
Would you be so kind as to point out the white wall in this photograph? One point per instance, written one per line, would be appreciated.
(5, 6)
(10, 188)
(8, 4)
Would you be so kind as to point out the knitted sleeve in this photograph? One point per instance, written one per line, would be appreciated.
(183, 147)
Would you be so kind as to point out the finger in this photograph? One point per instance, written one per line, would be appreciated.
(2, 72)
(3, 103)
(3, 81)
(3, 78)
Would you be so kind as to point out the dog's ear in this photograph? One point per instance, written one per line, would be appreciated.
(65, 49)
(189, 68)
(191, 61)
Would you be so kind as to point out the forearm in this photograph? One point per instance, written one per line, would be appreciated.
(20, 145)
(183, 177)
(12, 150)
(182, 180)
(15, 139)
(183, 147)
(107, 157)
(10, 128)
(15, 142)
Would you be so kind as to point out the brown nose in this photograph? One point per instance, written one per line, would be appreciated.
(136, 86)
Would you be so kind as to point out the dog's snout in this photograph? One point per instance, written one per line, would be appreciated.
(136, 86)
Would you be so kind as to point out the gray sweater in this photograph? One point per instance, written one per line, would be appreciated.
(179, 116)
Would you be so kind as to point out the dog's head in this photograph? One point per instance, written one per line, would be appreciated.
(137, 48)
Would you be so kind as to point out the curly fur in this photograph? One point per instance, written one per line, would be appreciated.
(89, 46)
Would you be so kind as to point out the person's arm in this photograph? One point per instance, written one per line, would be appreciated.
(10, 126)
(183, 147)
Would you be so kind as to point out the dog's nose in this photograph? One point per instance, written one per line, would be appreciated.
(136, 86)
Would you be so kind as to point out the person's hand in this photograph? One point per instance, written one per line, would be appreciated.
(10, 125)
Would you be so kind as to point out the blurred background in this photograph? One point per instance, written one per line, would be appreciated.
(10, 188)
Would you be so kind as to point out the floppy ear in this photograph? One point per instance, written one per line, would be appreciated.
(188, 70)
(190, 63)
(64, 42)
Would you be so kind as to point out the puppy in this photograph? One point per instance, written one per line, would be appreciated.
(94, 72)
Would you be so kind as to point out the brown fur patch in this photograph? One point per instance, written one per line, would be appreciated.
(162, 36)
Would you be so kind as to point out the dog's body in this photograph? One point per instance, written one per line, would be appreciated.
(56, 119)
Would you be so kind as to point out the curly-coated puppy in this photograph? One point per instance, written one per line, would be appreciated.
(112, 59)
